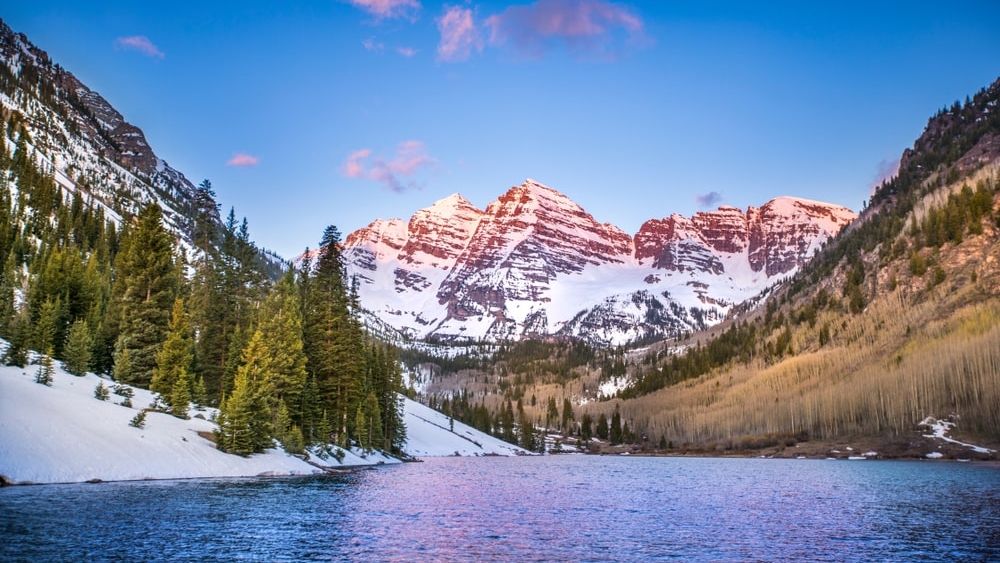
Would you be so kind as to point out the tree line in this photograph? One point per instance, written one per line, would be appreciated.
(198, 323)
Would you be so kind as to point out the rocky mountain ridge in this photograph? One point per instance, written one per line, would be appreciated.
(534, 263)
(85, 143)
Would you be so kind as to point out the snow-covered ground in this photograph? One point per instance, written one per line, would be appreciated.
(62, 433)
(940, 429)
(429, 433)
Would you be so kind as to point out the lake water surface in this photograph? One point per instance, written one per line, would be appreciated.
(555, 508)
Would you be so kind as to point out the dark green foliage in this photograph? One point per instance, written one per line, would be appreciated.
(148, 276)
(138, 421)
(245, 425)
(101, 393)
(173, 362)
(615, 433)
(77, 350)
(46, 369)
(586, 428)
(602, 427)
(180, 395)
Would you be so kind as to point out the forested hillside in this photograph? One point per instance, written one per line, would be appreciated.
(895, 320)
(192, 313)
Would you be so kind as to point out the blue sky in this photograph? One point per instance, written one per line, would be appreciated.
(341, 112)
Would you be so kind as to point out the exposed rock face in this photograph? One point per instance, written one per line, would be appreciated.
(535, 263)
(88, 143)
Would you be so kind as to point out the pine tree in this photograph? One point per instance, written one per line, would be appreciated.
(46, 369)
(567, 414)
(77, 349)
(180, 395)
(47, 326)
(148, 277)
(615, 432)
(602, 427)
(123, 366)
(199, 395)
(101, 393)
(244, 420)
(334, 341)
(17, 350)
(281, 325)
(174, 357)
(138, 421)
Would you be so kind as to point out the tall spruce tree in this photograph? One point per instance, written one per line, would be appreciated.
(77, 351)
(281, 324)
(174, 358)
(333, 339)
(149, 279)
(245, 425)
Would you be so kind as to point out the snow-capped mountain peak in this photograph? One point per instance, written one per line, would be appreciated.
(536, 263)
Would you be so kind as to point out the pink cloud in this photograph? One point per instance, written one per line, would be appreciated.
(242, 159)
(388, 9)
(139, 43)
(587, 27)
(395, 174)
(406, 51)
(459, 34)
(353, 167)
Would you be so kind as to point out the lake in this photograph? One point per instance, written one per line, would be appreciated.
(553, 508)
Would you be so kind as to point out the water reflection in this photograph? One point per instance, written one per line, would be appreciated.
(526, 509)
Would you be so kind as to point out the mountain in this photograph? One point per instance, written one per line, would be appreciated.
(886, 338)
(85, 143)
(534, 263)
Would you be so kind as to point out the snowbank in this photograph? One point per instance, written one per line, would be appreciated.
(429, 433)
(62, 433)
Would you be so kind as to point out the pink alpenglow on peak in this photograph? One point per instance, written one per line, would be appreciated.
(536, 263)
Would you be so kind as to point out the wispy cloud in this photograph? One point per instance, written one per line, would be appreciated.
(372, 45)
(407, 52)
(709, 200)
(242, 159)
(389, 9)
(459, 34)
(588, 28)
(139, 43)
(395, 174)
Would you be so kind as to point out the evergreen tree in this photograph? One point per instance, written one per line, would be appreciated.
(46, 369)
(77, 350)
(586, 428)
(123, 366)
(17, 350)
(180, 395)
(47, 326)
(199, 395)
(174, 357)
(138, 421)
(148, 277)
(615, 432)
(551, 413)
(333, 338)
(527, 440)
(602, 427)
(567, 414)
(281, 325)
(101, 392)
(244, 419)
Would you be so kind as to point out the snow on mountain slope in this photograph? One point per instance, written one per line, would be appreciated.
(88, 146)
(62, 434)
(535, 263)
